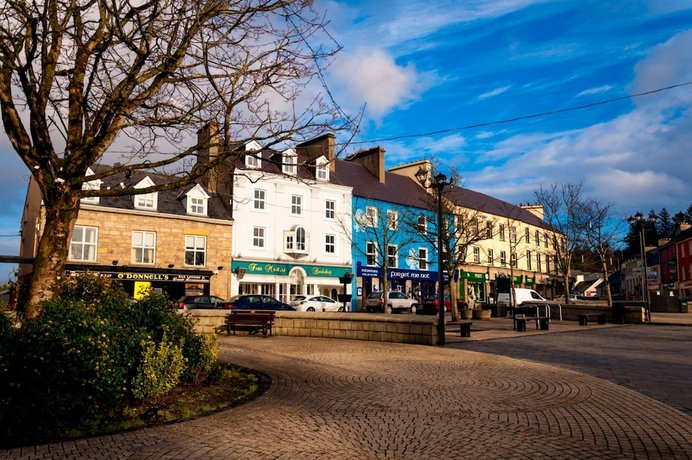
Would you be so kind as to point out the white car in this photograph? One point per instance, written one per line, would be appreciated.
(315, 303)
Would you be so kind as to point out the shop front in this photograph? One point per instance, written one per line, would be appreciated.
(473, 287)
(415, 283)
(138, 281)
(283, 281)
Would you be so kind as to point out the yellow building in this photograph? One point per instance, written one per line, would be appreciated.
(176, 242)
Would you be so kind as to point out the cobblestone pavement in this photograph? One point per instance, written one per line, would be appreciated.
(653, 360)
(338, 399)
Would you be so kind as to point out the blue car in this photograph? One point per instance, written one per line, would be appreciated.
(257, 302)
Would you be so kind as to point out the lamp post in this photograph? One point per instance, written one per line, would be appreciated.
(438, 183)
(639, 220)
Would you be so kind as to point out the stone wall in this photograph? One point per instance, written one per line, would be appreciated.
(420, 330)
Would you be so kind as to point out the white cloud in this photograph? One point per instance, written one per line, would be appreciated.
(493, 93)
(597, 90)
(372, 76)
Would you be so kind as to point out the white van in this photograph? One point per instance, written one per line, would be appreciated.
(519, 296)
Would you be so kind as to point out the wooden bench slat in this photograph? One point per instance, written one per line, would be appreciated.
(250, 319)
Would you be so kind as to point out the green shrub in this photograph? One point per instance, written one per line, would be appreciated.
(201, 354)
(160, 369)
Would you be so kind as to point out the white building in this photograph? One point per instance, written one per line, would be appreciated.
(292, 220)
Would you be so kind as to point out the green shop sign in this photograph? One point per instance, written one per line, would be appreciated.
(477, 277)
(530, 280)
(270, 268)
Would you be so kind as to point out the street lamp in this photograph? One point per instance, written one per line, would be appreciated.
(639, 220)
(438, 183)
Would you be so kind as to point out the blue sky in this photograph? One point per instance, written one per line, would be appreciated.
(425, 66)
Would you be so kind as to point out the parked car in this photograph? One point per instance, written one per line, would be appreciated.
(397, 301)
(257, 302)
(572, 298)
(429, 305)
(315, 303)
(196, 302)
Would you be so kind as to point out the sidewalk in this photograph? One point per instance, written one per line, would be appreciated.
(501, 328)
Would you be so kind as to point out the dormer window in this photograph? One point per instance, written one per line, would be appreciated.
(322, 169)
(289, 162)
(295, 241)
(91, 185)
(148, 201)
(196, 200)
(253, 155)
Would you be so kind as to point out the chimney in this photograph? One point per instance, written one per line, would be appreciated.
(311, 150)
(535, 209)
(208, 150)
(372, 159)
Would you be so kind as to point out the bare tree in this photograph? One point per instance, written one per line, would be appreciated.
(385, 231)
(563, 207)
(601, 233)
(77, 76)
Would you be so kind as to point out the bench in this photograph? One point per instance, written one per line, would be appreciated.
(531, 312)
(253, 321)
(584, 318)
(464, 327)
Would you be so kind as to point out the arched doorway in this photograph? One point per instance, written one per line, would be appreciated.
(297, 281)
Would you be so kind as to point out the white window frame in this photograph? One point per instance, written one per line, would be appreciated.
(322, 172)
(514, 260)
(330, 209)
(197, 205)
(529, 262)
(489, 229)
(297, 205)
(422, 225)
(392, 255)
(501, 232)
(537, 237)
(146, 201)
(539, 262)
(290, 163)
(503, 257)
(527, 235)
(144, 247)
(196, 245)
(476, 255)
(296, 240)
(85, 244)
(513, 234)
(371, 216)
(423, 259)
(491, 257)
(259, 235)
(392, 220)
(259, 199)
(330, 243)
(371, 253)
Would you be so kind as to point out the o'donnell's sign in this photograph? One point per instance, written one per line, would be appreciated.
(270, 268)
(148, 276)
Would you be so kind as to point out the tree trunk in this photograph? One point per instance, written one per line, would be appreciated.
(454, 297)
(53, 250)
(609, 295)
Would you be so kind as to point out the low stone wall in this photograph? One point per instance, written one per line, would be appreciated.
(421, 330)
(632, 314)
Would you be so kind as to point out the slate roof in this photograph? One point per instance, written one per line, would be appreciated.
(169, 202)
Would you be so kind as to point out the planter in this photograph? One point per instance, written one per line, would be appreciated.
(466, 313)
(482, 314)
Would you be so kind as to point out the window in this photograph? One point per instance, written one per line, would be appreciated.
(392, 256)
(502, 232)
(146, 200)
(259, 201)
(371, 216)
(547, 264)
(330, 209)
(491, 257)
(528, 260)
(514, 261)
(143, 247)
(392, 220)
(539, 265)
(503, 258)
(252, 160)
(527, 235)
(489, 229)
(91, 185)
(197, 206)
(513, 234)
(371, 253)
(258, 234)
(423, 258)
(296, 205)
(195, 250)
(290, 162)
(322, 172)
(474, 227)
(295, 240)
(545, 240)
(537, 237)
(83, 244)
(330, 244)
(476, 255)
(422, 226)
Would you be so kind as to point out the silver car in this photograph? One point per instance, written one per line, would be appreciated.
(397, 301)
(315, 303)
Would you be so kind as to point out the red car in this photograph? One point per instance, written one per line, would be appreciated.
(430, 305)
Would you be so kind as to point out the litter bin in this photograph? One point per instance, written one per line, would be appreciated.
(683, 306)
